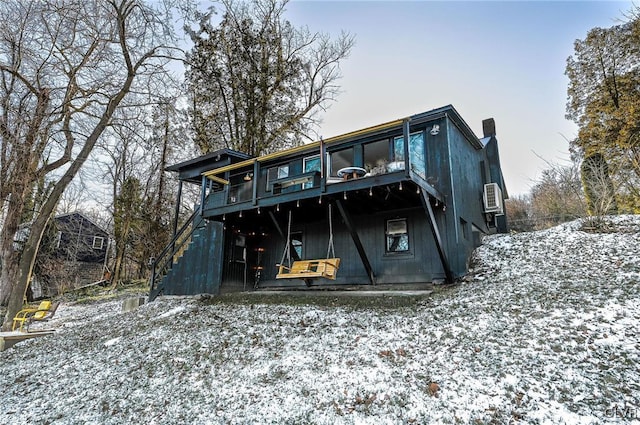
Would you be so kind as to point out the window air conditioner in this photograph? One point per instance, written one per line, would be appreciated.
(493, 199)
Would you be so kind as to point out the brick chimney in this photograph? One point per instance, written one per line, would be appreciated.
(489, 127)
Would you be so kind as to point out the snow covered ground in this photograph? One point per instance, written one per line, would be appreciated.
(545, 331)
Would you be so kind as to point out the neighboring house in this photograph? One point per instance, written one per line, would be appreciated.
(78, 239)
(79, 248)
(401, 203)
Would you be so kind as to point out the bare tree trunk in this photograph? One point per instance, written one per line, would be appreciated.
(118, 41)
(25, 267)
(28, 257)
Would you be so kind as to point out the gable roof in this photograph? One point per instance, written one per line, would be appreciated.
(84, 217)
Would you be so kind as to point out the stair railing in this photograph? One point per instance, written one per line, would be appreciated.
(161, 265)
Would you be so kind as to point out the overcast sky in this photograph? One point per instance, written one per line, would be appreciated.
(504, 60)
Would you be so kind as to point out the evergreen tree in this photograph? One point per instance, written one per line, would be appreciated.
(126, 222)
(257, 82)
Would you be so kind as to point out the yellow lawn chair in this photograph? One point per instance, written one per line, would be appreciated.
(45, 311)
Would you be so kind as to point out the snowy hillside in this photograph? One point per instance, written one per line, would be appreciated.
(545, 331)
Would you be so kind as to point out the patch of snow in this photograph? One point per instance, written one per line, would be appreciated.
(113, 341)
(546, 331)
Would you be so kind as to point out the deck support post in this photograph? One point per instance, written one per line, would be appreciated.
(176, 215)
(405, 138)
(255, 180)
(203, 194)
(426, 203)
(177, 209)
(356, 240)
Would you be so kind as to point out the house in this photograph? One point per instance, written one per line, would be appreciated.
(77, 251)
(79, 239)
(400, 203)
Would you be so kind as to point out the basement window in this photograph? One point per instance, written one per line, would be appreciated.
(397, 235)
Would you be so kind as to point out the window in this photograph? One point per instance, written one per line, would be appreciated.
(341, 159)
(398, 149)
(98, 242)
(275, 173)
(310, 163)
(397, 236)
(376, 157)
(59, 239)
(296, 242)
(416, 152)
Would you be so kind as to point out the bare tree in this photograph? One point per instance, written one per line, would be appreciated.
(74, 196)
(66, 66)
(520, 213)
(139, 148)
(598, 187)
(557, 196)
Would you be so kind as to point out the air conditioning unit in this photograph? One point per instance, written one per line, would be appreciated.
(493, 199)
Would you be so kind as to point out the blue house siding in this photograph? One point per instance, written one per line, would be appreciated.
(467, 188)
(419, 264)
(420, 194)
(199, 270)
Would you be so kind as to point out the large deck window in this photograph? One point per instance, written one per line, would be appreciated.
(296, 242)
(240, 190)
(311, 163)
(376, 157)
(416, 152)
(340, 159)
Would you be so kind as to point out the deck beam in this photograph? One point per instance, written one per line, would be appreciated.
(356, 240)
(426, 203)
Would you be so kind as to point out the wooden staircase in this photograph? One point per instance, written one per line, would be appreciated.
(191, 263)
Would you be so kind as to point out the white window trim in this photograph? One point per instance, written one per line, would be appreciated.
(95, 240)
(397, 232)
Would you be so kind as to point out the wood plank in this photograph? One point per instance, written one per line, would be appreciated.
(9, 339)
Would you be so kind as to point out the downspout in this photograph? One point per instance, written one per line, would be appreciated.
(453, 187)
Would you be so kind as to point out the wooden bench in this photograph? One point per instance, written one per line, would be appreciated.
(45, 311)
(309, 269)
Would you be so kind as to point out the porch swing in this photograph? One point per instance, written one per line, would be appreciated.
(308, 270)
